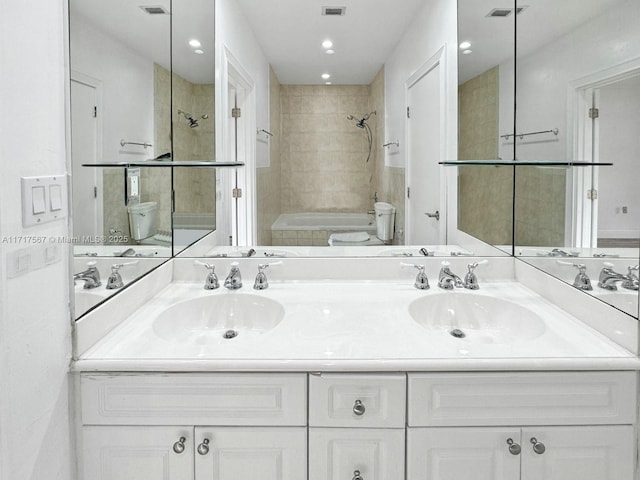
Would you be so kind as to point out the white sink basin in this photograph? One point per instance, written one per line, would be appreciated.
(218, 318)
(625, 300)
(475, 318)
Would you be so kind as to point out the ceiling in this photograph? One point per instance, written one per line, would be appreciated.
(291, 33)
(542, 22)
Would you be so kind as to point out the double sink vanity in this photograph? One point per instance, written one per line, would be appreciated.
(342, 368)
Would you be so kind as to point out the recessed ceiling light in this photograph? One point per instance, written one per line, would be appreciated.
(194, 43)
(327, 44)
(465, 45)
(326, 76)
(330, 52)
(198, 51)
(467, 52)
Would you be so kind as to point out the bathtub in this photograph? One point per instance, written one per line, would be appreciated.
(313, 229)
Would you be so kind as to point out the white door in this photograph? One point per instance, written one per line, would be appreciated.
(137, 453)
(425, 215)
(87, 207)
(463, 453)
(578, 453)
(349, 453)
(265, 453)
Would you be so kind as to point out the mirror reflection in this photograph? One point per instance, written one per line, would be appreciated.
(342, 166)
(577, 100)
(130, 104)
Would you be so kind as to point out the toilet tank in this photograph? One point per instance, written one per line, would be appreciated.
(143, 220)
(385, 219)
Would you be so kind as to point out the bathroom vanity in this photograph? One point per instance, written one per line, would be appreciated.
(352, 372)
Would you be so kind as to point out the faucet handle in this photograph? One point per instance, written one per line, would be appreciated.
(422, 282)
(582, 280)
(470, 279)
(261, 282)
(115, 279)
(211, 282)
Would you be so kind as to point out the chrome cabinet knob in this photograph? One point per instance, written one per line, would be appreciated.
(358, 408)
(203, 448)
(514, 448)
(538, 447)
(178, 447)
(356, 475)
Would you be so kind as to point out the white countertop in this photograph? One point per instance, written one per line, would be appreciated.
(352, 326)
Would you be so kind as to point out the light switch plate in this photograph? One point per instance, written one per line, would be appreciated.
(44, 199)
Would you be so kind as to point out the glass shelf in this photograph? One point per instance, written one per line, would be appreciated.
(161, 163)
(511, 163)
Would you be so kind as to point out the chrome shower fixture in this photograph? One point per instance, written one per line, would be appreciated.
(193, 122)
(362, 123)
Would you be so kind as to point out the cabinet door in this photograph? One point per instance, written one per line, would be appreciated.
(137, 453)
(265, 453)
(463, 453)
(350, 453)
(578, 453)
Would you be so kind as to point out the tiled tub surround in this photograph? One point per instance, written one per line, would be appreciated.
(352, 314)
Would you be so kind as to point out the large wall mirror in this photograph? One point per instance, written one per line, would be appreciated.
(336, 163)
(142, 89)
(574, 82)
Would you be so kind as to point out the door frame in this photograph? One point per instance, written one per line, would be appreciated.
(237, 221)
(581, 214)
(438, 59)
(96, 84)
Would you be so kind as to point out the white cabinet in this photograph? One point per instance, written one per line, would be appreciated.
(137, 453)
(266, 453)
(171, 453)
(356, 453)
(578, 453)
(533, 453)
(462, 453)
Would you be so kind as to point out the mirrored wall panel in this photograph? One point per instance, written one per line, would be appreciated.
(578, 99)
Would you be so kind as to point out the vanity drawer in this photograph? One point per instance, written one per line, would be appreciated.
(345, 453)
(346, 400)
(540, 398)
(194, 399)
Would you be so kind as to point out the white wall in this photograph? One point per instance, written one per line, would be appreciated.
(434, 27)
(35, 325)
(127, 84)
(544, 76)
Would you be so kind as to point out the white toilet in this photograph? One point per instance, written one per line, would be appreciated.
(385, 219)
(143, 220)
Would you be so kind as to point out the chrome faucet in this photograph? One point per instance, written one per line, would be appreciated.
(261, 282)
(447, 279)
(422, 282)
(211, 282)
(115, 279)
(582, 280)
(470, 279)
(633, 281)
(234, 279)
(556, 252)
(91, 276)
(608, 278)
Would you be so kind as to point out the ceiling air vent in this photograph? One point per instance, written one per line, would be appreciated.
(500, 12)
(154, 9)
(505, 12)
(334, 11)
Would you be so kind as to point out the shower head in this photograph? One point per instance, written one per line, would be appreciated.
(193, 122)
(363, 121)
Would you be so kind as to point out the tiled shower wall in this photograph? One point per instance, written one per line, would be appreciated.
(323, 154)
(485, 193)
(195, 188)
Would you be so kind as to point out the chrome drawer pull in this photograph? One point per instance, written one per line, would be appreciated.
(358, 408)
(203, 448)
(514, 448)
(538, 447)
(178, 447)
